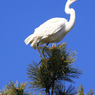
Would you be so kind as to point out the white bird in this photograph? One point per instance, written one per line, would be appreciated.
(53, 30)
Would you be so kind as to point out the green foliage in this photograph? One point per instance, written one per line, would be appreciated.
(56, 65)
(47, 77)
(81, 91)
(14, 89)
(61, 90)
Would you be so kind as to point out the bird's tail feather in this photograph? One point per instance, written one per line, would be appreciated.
(34, 44)
(29, 39)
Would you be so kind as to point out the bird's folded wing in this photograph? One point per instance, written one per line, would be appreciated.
(50, 27)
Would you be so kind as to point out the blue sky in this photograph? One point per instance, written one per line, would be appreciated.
(19, 18)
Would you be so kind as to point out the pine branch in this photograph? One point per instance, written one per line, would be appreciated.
(55, 65)
(15, 89)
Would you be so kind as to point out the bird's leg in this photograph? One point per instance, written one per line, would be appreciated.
(44, 48)
(39, 52)
(38, 48)
(47, 44)
(39, 42)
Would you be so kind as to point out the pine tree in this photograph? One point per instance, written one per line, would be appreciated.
(63, 90)
(50, 74)
(55, 66)
(81, 91)
(15, 89)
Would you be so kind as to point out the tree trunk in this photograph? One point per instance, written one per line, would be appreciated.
(52, 88)
(47, 92)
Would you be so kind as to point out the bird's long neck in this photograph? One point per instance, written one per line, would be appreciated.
(71, 22)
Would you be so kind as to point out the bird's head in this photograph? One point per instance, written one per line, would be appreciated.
(71, 1)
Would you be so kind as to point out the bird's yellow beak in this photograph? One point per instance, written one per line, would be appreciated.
(74, 0)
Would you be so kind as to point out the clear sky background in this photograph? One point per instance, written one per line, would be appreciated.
(19, 18)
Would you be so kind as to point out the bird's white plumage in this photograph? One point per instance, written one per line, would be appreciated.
(50, 27)
(52, 30)
(48, 31)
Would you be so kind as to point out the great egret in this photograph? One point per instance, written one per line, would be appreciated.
(53, 30)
